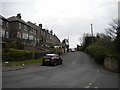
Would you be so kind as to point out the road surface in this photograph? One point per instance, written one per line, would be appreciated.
(78, 71)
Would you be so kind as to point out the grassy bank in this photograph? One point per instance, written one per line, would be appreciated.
(19, 63)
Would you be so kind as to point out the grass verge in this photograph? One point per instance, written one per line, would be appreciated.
(19, 63)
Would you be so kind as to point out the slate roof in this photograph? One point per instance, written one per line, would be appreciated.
(14, 18)
(1, 17)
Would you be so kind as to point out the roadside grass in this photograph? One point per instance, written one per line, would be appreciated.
(19, 63)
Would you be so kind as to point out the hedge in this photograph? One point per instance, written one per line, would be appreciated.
(98, 53)
(16, 55)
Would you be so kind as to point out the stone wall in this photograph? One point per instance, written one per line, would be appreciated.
(111, 64)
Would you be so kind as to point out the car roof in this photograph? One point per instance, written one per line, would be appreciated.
(51, 55)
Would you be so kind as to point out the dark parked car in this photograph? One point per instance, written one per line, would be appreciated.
(52, 59)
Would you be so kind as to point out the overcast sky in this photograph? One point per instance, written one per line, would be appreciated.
(67, 18)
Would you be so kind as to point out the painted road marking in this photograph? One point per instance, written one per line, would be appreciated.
(98, 70)
(73, 62)
(90, 84)
(87, 87)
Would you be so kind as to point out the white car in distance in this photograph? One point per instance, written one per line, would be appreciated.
(72, 50)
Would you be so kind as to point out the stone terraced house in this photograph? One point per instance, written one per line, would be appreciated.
(28, 36)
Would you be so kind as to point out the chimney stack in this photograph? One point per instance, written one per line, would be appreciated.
(47, 31)
(40, 25)
(19, 15)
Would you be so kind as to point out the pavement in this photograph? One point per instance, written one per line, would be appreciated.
(4, 69)
(78, 71)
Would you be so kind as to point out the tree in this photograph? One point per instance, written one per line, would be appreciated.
(114, 32)
(114, 29)
(87, 40)
(104, 41)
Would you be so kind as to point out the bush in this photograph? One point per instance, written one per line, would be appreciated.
(98, 53)
(16, 55)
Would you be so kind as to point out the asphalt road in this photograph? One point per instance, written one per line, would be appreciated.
(78, 71)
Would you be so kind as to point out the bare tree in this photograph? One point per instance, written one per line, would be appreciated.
(114, 29)
(114, 32)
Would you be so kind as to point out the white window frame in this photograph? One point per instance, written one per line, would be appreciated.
(7, 34)
(3, 33)
(35, 31)
(19, 35)
(25, 35)
(30, 37)
(7, 24)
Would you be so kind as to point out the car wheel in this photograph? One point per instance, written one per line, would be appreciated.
(43, 64)
(54, 64)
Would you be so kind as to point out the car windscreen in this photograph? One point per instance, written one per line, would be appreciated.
(48, 56)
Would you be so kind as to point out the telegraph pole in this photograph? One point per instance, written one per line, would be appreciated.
(68, 45)
(92, 32)
(119, 10)
(68, 40)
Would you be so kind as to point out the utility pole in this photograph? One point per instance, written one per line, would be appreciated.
(92, 32)
(68, 44)
(68, 40)
(119, 10)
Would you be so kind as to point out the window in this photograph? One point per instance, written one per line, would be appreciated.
(2, 33)
(30, 37)
(31, 30)
(1, 22)
(20, 25)
(37, 40)
(25, 27)
(18, 35)
(25, 36)
(7, 24)
(35, 32)
(7, 35)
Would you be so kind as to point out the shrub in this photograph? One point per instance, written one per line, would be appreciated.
(98, 53)
(80, 48)
(16, 55)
